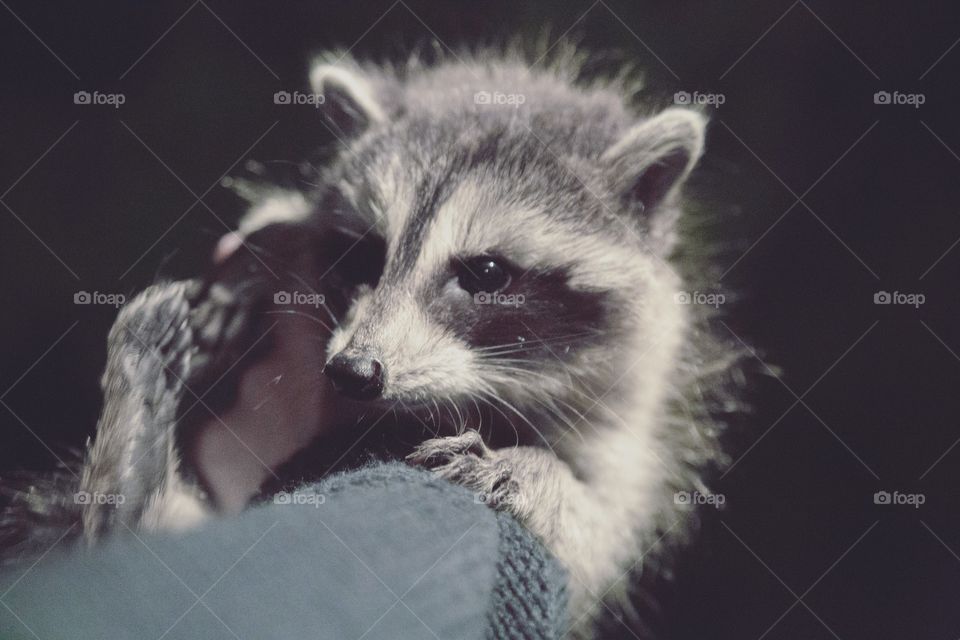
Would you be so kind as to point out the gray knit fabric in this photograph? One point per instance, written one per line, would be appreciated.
(529, 599)
(382, 552)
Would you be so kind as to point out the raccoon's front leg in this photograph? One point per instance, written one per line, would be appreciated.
(583, 524)
(467, 461)
(165, 342)
(523, 481)
(530, 483)
(131, 470)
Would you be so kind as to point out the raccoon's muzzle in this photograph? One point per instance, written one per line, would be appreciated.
(356, 376)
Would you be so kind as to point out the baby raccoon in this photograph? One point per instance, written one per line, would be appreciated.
(495, 238)
(523, 219)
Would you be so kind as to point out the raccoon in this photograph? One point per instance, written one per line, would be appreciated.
(524, 217)
(495, 239)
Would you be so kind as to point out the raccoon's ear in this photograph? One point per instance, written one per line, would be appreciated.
(349, 100)
(654, 157)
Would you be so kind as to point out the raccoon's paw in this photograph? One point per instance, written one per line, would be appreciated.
(440, 450)
(467, 461)
(150, 334)
(223, 323)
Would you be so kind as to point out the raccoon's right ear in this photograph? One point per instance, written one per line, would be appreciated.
(654, 157)
(349, 101)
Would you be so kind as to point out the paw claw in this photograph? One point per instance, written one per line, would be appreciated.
(441, 451)
(466, 461)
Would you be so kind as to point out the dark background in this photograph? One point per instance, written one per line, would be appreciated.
(879, 186)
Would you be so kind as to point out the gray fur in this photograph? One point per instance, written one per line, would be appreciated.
(565, 182)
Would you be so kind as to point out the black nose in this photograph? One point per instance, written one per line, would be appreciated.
(358, 377)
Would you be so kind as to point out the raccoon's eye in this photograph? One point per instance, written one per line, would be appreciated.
(482, 274)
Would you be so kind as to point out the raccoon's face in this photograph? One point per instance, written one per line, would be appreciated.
(482, 265)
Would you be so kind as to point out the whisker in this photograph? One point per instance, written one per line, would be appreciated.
(544, 340)
(490, 404)
(522, 417)
(297, 312)
(311, 289)
(508, 370)
(550, 401)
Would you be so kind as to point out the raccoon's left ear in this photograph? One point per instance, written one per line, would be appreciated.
(349, 99)
(654, 157)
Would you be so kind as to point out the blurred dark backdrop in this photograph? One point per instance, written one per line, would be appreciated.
(103, 199)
